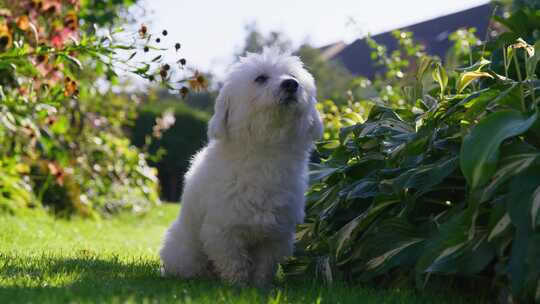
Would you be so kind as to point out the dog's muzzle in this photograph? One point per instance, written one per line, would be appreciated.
(289, 88)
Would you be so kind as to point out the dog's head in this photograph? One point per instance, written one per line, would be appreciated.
(268, 97)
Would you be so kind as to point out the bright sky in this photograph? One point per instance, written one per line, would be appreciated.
(212, 30)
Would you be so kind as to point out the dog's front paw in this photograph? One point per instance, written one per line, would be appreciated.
(263, 284)
(162, 272)
(263, 278)
(238, 276)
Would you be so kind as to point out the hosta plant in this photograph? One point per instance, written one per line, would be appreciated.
(444, 185)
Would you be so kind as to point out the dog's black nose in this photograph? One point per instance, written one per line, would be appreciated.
(289, 85)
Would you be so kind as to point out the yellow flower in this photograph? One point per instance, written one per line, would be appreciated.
(198, 82)
(23, 22)
(5, 37)
(71, 21)
(70, 87)
(143, 30)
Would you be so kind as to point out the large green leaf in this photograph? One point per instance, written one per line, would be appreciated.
(360, 222)
(466, 78)
(466, 258)
(510, 165)
(519, 205)
(480, 150)
(318, 172)
(477, 99)
(535, 210)
(451, 236)
(385, 126)
(506, 96)
(500, 227)
(395, 242)
(440, 76)
(363, 188)
(424, 177)
(532, 62)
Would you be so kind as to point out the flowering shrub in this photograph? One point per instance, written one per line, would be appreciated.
(61, 137)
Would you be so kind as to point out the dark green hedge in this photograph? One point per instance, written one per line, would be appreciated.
(180, 142)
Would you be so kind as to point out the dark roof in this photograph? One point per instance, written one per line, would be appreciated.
(433, 34)
(329, 51)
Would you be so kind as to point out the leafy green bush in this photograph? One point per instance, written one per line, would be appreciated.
(176, 145)
(441, 180)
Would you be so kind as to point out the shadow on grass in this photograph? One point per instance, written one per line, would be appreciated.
(50, 279)
(87, 278)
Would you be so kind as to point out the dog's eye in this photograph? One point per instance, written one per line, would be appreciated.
(261, 79)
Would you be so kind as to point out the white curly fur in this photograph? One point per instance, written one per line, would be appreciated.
(244, 192)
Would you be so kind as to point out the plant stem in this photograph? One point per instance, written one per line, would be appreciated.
(520, 78)
(533, 95)
(505, 61)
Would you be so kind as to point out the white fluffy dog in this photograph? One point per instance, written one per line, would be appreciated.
(244, 192)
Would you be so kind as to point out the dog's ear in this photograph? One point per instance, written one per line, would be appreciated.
(218, 125)
(315, 122)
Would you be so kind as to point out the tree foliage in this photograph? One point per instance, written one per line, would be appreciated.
(333, 80)
(255, 41)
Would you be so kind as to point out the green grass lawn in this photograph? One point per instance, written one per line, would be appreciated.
(48, 260)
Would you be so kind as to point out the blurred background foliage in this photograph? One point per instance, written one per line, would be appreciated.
(175, 147)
